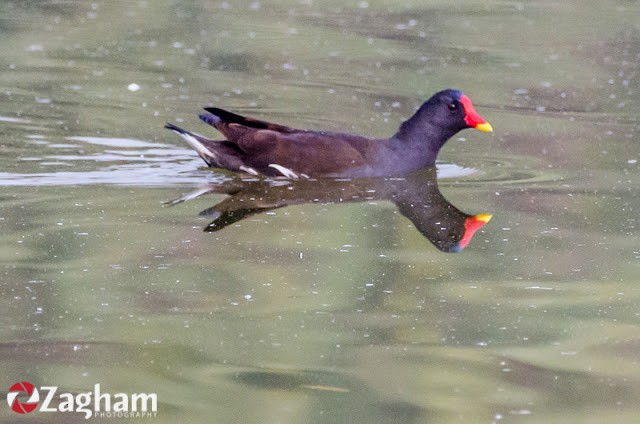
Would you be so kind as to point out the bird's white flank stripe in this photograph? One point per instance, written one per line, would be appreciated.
(248, 170)
(286, 172)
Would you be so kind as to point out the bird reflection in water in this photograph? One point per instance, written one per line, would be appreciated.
(416, 195)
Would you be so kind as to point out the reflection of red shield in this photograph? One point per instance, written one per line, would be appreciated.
(23, 387)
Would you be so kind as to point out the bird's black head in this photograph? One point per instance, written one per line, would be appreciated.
(439, 118)
(452, 109)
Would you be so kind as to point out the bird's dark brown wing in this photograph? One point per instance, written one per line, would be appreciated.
(314, 153)
(305, 152)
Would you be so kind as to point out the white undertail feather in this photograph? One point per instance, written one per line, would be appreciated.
(286, 172)
(199, 147)
(248, 170)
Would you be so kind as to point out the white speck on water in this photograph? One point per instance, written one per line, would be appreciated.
(632, 161)
(248, 297)
(133, 87)
(363, 5)
(520, 412)
(35, 48)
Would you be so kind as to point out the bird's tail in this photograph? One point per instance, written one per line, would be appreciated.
(198, 142)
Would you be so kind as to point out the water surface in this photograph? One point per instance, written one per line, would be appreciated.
(322, 311)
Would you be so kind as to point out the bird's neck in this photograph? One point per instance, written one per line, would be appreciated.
(420, 142)
(419, 130)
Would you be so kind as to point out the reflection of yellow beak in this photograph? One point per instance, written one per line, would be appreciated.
(484, 217)
(484, 127)
(471, 225)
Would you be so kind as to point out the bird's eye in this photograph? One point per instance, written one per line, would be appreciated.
(453, 106)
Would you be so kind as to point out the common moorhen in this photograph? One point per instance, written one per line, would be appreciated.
(259, 147)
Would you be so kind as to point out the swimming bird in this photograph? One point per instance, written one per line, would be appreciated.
(264, 148)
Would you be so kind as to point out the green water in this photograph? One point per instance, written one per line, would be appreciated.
(321, 311)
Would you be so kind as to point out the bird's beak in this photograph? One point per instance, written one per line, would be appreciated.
(484, 127)
(471, 116)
